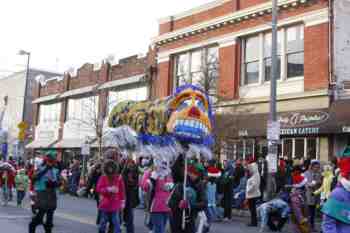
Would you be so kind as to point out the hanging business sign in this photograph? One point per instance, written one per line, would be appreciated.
(346, 129)
(303, 119)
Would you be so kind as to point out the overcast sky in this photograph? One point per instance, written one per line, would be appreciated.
(67, 33)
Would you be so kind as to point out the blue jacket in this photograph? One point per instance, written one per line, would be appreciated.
(51, 174)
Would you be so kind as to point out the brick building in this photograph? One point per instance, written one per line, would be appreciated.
(236, 35)
(69, 109)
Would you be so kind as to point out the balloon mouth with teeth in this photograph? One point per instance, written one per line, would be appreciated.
(190, 128)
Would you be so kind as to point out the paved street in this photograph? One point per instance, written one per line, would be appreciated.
(76, 215)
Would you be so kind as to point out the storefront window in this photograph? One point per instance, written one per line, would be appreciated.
(299, 148)
(311, 148)
(288, 148)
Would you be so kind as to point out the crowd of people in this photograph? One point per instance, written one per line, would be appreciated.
(212, 191)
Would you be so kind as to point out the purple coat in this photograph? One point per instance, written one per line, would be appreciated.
(331, 225)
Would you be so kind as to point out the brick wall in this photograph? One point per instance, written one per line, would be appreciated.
(213, 13)
(163, 83)
(229, 71)
(316, 57)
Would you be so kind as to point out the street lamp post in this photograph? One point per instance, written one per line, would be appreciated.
(273, 134)
(25, 53)
(26, 81)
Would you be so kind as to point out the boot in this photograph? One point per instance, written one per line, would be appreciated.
(48, 229)
(31, 228)
(281, 224)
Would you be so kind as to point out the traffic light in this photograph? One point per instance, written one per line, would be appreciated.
(22, 131)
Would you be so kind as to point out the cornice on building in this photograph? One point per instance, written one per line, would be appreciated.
(309, 19)
(233, 18)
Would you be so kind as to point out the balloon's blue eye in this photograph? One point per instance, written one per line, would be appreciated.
(184, 104)
(200, 105)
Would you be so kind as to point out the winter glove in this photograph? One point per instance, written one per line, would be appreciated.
(183, 204)
(112, 189)
(154, 175)
(168, 186)
(122, 205)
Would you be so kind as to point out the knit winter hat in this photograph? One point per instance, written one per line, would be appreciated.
(214, 172)
(193, 170)
(298, 178)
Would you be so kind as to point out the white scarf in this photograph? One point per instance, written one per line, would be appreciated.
(345, 183)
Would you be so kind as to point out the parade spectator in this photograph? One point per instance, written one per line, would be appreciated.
(325, 190)
(314, 181)
(253, 192)
(227, 183)
(112, 190)
(213, 213)
(159, 184)
(196, 202)
(299, 208)
(74, 177)
(96, 173)
(262, 166)
(239, 193)
(336, 210)
(46, 181)
(276, 210)
(22, 183)
(130, 175)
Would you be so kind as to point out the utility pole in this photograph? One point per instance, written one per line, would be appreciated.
(273, 134)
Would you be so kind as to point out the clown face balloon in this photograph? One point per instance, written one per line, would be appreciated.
(189, 118)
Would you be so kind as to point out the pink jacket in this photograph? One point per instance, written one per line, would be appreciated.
(161, 195)
(111, 202)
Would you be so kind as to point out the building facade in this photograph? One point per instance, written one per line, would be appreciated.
(69, 110)
(227, 43)
(19, 107)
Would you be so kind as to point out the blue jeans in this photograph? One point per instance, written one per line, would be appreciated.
(20, 197)
(112, 218)
(159, 221)
(141, 195)
(212, 214)
(128, 217)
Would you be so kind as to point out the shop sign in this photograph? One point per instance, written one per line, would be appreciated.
(300, 131)
(273, 130)
(346, 129)
(243, 133)
(302, 119)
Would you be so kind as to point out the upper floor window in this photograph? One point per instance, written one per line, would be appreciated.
(49, 113)
(256, 56)
(198, 67)
(135, 94)
(84, 109)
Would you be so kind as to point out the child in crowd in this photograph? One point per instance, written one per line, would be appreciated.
(22, 182)
(112, 197)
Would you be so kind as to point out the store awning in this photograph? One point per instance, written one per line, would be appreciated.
(37, 144)
(68, 143)
(79, 91)
(124, 81)
(45, 99)
(335, 120)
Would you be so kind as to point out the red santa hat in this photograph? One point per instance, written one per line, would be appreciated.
(298, 179)
(344, 166)
(214, 172)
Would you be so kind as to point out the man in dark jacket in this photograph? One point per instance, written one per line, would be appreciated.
(46, 181)
(196, 201)
(130, 175)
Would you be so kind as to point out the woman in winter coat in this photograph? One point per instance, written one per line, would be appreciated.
(112, 197)
(158, 184)
(227, 183)
(337, 208)
(314, 181)
(253, 192)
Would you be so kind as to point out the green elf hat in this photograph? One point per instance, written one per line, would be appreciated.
(346, 152)
(51, 154)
